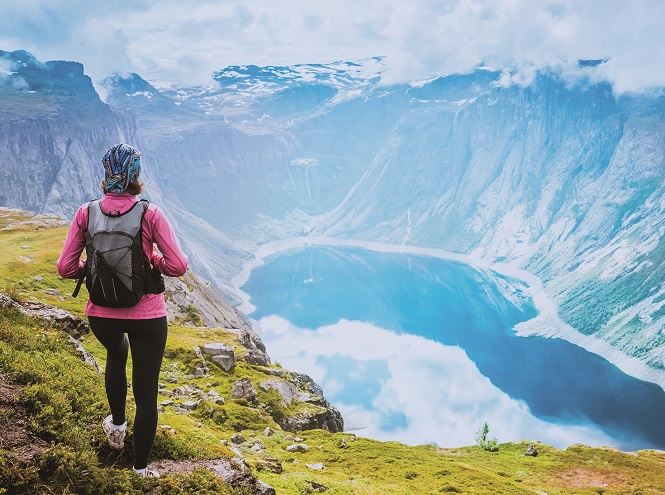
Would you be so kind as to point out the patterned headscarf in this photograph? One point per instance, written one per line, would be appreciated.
(122, 164)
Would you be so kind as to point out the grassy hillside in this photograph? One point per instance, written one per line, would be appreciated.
(52, 403)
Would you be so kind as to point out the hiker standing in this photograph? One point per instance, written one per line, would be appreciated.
(126, 308)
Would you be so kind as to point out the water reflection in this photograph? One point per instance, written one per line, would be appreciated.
(549, 385)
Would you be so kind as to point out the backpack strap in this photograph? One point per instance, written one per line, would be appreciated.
(81, 278)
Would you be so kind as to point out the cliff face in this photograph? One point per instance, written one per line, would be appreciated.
(563, 179)
(53, 131)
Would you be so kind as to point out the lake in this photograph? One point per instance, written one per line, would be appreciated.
(420, 349)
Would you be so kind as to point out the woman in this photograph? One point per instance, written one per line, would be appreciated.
(142, 327)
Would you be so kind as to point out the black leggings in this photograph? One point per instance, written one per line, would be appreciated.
(147, 340)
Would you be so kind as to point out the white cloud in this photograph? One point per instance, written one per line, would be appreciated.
(436, 389)
(184, 41)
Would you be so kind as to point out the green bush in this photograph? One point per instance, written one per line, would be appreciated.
(489, 444)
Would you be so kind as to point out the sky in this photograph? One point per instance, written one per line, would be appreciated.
(182, 42)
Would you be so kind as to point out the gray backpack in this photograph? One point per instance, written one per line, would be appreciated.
(117, 272)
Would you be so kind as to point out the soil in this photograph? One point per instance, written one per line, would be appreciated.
(16, 435)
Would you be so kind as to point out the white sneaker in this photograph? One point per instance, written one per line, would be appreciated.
(147, 473)
(114, 433)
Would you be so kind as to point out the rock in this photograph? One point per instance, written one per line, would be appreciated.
(269, 464)
(73, 325)
(238, 438)
(217, 349)
(85, 355)
(256, 357)
(316, 487)
(226, 363)
(306, 383)
(190, 405)
(166, 403)
(243, 389)
(201, 370)
(327, 419)
(531, 451)
(268, 431)
(262, 488)
(256, 448)
(287, 390)
(52, 292)
(297, 447)
(167, 428)
(343, 444)
(298, 440)
(221, 354)
(317, 467)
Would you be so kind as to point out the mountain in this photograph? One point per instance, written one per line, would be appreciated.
(53, 127)
(560, 177)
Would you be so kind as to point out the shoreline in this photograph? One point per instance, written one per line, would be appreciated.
(546, 323)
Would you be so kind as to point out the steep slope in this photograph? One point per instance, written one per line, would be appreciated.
(53, 131)
(564, 181)
(210, 440)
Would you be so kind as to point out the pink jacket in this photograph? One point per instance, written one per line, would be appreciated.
(156, 229)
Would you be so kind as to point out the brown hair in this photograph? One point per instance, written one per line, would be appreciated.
(134, 188)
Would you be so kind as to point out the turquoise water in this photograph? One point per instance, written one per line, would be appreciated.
(458, 322)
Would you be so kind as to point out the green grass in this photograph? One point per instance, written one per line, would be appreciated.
(66, 402)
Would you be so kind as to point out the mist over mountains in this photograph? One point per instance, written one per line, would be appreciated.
(564, 180)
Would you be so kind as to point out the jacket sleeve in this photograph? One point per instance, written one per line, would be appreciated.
(70, 264)
(170, 260)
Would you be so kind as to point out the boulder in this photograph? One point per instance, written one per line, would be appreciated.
(238, 438)
(297, 447)
(531, 451)
(256, 357)
(287, 390)
(328, 419)
(221, 354)
(316, 467)
(243, 389)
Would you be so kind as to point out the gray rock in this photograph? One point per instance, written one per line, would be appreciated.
(238, 438)
(286, 390)
(297, 447)
(317, 467)
(531, 451)
(217, 349)
(268, 431)
(262, 488)
(226, 363)
(256, 357)
(166, 403)
(243, 389)
(190, 405)
(73, 325)
(256, 448)
(343, 444)
(327, 419)
(85, 355)
(317, 487)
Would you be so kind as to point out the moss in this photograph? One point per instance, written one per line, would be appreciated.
(58, 385)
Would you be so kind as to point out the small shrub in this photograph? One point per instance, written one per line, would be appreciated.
(409, 475)
(489, 444)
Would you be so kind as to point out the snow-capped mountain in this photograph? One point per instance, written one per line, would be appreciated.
(563, 179)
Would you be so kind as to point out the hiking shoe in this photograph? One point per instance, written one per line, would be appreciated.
(114, 434)
(146, 473)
